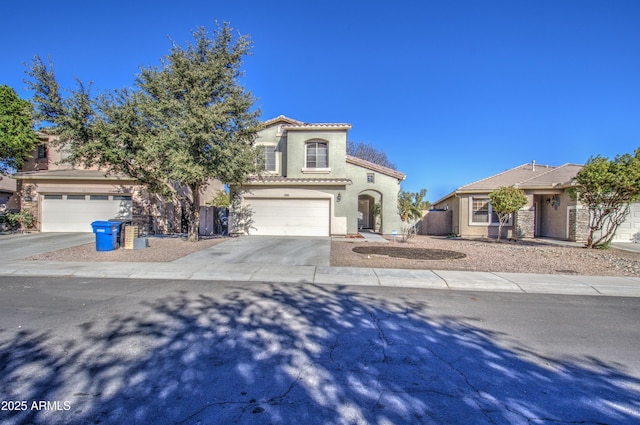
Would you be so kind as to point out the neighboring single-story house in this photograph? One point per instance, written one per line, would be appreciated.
(311, 187)
(68, 199)
(550, 212)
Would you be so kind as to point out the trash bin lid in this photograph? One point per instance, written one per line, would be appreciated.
(103, 223)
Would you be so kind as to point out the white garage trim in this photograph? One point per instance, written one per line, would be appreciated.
(289, 217)
(75, 212)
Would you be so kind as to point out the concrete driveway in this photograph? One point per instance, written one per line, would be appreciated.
(270, 250)
(18, 246)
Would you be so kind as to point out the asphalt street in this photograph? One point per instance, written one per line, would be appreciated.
(113, 351)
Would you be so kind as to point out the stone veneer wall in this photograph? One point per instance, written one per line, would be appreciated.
(578, 224)
(525, 223)
(29, 205)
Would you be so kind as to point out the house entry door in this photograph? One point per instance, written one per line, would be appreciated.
(363, 214)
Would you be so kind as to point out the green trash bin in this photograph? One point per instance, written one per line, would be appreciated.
(106, 235)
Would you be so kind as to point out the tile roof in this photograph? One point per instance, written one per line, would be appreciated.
(70, 174)
(318, 126)
(296, 180)
(561, 176)
(281, 118)
(291, 124)
(525, 176)
(375, 167)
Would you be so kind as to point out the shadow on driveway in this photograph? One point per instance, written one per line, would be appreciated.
(300, 354)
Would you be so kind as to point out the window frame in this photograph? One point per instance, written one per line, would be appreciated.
(42, 152)
(493, 219)
(276, 160)
(314, 167)
(273, 151)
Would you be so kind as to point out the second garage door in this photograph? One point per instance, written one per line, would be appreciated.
(629, 230)
(289, 217)
(75, 213)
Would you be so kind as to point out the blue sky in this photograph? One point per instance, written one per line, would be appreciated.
(453, 91)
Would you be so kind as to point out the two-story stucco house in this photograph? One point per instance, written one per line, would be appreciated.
(64, 198)
(311, 187)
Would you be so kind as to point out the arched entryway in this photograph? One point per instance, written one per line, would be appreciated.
(369, 210)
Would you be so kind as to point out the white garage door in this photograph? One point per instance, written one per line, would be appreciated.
(289, 217)
(629, 230)
(75, 213)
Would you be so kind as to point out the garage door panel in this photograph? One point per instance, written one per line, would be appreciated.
(629, 230)
(289, 217)
(74, 215)
(288, 212)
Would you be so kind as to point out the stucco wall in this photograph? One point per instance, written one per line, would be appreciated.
(437, 222)
(468, 229)
(273, 136)
(386, 186)
(451, 204)
(337, 148)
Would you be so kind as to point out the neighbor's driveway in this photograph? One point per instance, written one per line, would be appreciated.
(18, 246)
(271, 250)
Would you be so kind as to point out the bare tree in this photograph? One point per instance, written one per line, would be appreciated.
(369, 153)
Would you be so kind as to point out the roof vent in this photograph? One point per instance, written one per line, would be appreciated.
(533, 165)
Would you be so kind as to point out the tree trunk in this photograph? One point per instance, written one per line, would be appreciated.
(193, 214)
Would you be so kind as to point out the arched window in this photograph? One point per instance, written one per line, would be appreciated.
(317, 154)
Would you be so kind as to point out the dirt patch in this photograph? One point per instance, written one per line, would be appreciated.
(410, 253)
(160, 250)
(488, 255)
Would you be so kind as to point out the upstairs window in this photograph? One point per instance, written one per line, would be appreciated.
(269, 158)
(42, 152)
(317, 155)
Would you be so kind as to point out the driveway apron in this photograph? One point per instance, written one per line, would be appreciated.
(15, 247)
(267, 250)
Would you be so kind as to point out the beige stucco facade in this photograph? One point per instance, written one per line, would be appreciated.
(550, 212)
(548, 208)
(350, 186)
(46, 175)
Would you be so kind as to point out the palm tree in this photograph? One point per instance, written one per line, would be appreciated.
(412, 204)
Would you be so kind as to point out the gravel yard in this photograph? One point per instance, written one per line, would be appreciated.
(480, 255)
(488, 255)
(161, 249)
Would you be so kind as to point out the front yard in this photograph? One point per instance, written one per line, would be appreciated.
(526, 256)
(488, 255)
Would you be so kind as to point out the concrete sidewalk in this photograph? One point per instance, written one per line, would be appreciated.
(247, 266)
(327, 275)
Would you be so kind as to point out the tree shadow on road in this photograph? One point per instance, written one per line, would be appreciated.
(301, 354)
